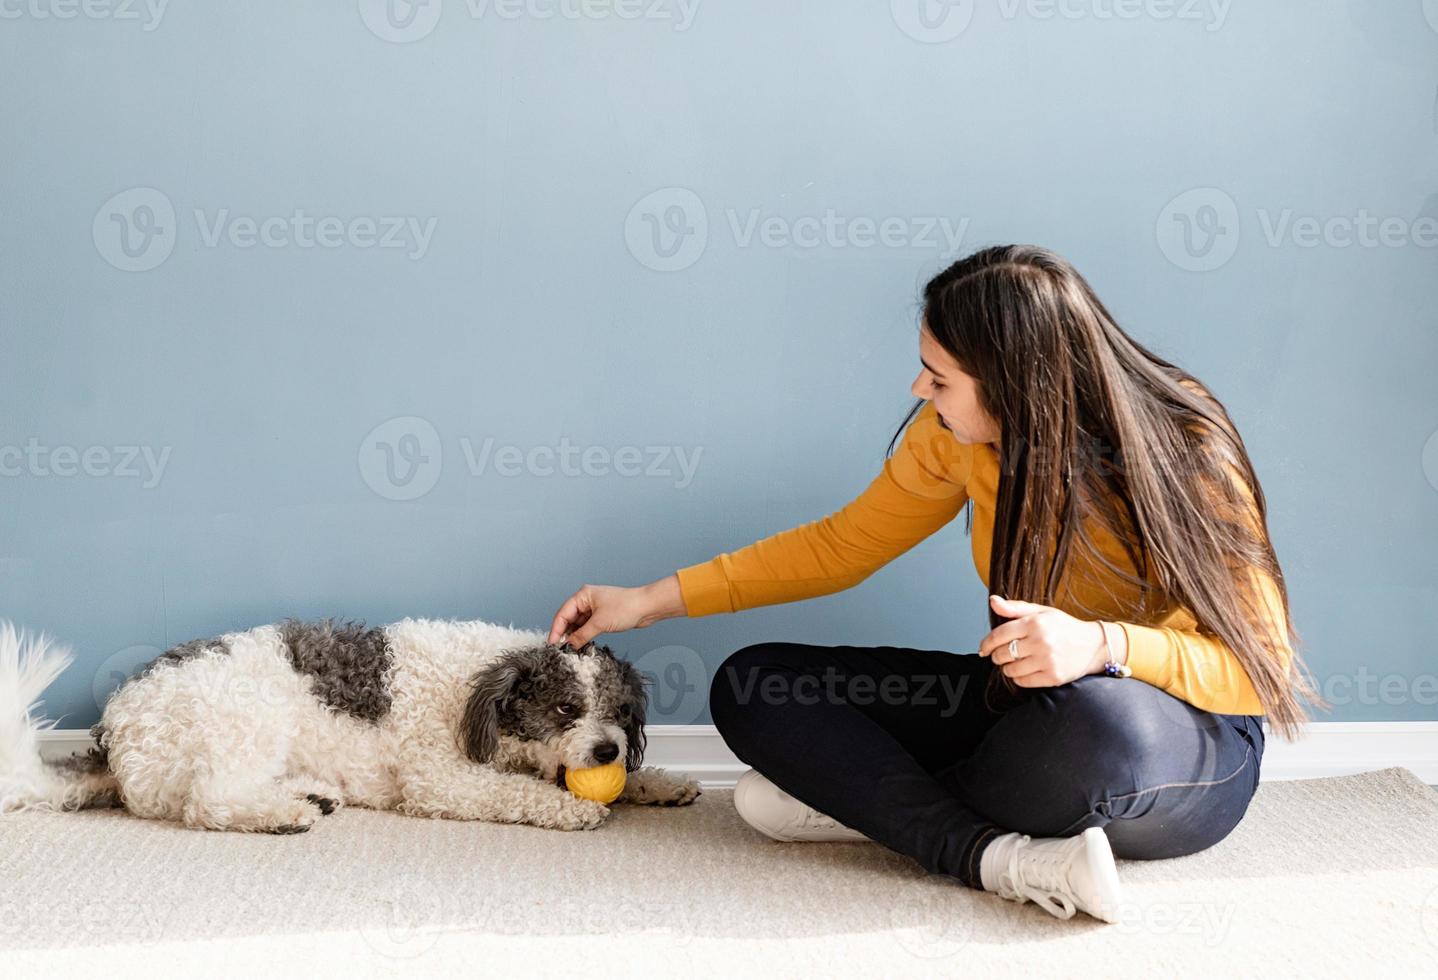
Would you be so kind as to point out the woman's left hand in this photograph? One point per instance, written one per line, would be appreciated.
(1054, 647)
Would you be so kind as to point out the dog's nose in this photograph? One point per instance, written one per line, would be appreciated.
(606, 753)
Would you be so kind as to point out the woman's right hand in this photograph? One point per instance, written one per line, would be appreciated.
(597, 609)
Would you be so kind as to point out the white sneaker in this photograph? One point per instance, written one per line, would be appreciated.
(1060, 874)
(769, 809)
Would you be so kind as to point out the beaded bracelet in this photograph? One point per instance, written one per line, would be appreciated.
(1111, 668)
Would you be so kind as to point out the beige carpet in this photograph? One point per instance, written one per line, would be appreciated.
(1332, 877)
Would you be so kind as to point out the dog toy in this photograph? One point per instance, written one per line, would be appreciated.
(602, 784)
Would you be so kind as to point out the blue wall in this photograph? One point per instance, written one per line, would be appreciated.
(704, 230)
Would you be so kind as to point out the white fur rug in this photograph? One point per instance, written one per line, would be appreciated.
(1330, 877)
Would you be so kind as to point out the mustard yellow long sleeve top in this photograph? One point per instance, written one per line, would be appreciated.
(922, 487)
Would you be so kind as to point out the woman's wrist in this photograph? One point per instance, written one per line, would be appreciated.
(1112, 645)
(663, 599)
(1118, 641)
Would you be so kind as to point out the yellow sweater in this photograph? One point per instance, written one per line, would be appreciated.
(922, 487)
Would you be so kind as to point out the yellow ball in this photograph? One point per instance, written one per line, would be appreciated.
(602, 784)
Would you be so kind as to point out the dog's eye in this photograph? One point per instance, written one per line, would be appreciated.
(624, 711)
(565, 709)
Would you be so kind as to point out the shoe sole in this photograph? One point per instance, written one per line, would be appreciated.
(742, 789)
(741, 793)
(1103, 873)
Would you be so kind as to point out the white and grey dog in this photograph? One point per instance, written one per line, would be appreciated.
(271, 728)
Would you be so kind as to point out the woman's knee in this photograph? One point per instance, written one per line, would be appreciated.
(734, 684)
(738, 699)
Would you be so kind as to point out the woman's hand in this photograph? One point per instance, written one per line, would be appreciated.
(597, 609)
(1054, 647)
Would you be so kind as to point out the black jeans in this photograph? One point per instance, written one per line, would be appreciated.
(913, 749)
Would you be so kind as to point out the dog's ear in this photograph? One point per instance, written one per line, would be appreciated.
(490, 690)
(637, 697)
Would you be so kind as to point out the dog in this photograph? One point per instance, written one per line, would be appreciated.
(269, 729)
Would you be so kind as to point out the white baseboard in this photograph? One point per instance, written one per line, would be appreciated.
(1332, 748)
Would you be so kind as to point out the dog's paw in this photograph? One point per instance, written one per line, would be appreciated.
(581, 814)
(685, 793)
(326, 805)
(655, 787)
(319, 792)
(296, 818)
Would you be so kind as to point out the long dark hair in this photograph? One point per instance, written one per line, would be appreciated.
(1097, 428)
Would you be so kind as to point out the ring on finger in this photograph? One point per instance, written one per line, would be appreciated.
(1014, 650)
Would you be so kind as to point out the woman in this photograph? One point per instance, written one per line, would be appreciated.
(1140, 620)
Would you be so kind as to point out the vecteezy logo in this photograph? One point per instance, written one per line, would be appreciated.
(667, 230)
(1430, 460)
(932, 21)
(930, 933)
(677, 681)
(135, 230)
(410, 917)
(400, 459)
(400, 21)
(1198, 230)
(117, 668)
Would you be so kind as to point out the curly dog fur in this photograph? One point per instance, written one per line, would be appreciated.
(271, 728)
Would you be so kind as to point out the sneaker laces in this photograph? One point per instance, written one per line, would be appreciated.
(812, 819)
(1040, 876)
